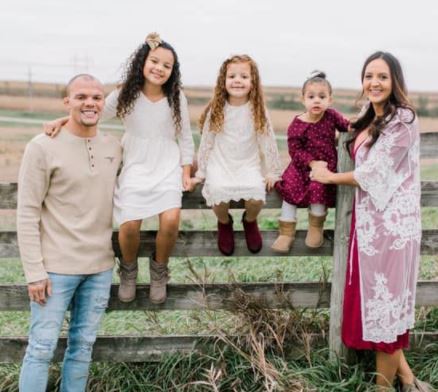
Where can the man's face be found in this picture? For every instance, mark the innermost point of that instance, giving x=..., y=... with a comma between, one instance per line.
x=85, y=101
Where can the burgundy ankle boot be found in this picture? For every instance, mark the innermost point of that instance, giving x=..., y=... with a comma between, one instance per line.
x=253, y=237
x=225, y=236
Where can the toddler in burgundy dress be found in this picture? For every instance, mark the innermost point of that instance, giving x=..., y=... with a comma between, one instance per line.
x=311, y=142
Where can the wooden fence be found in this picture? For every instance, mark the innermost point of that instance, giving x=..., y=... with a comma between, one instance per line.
x=13, y=297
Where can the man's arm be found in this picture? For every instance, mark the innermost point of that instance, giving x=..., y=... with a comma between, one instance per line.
x=33, y=182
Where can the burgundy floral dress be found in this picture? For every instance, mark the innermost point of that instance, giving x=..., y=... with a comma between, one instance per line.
x=311, y=142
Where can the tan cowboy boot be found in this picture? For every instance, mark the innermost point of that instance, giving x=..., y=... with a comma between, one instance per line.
x=128, y=279
x=418, y=386
x=286, y=236
x=314, y=237
x=159, y=274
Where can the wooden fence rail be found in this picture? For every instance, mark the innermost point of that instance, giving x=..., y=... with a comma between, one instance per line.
x=201, y=296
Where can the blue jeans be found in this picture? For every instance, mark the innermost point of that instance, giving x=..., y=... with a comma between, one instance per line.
x=88, y=296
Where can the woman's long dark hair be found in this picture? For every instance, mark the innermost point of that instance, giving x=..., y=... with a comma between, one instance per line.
x=397, y=99
x=133, y=81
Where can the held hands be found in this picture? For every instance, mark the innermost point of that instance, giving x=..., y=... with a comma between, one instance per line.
x=270, y=183
x=52, y=128
x=190, y=183
x=39, y=291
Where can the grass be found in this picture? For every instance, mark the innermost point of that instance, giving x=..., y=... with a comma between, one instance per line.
x=255, y=363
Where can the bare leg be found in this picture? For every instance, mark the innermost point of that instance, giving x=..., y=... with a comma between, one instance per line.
x=129, y=239
x=386, y=368
x=252, y=208
x=404, y=371
x=167, y=234
x=221, y=211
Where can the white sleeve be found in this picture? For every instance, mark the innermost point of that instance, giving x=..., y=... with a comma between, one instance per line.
x=185, y=137
x=381, y=174
x=269, y=153
x=110, y=109
x=205, y=147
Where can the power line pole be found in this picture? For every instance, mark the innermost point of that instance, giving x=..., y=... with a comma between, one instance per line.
x=30, y=87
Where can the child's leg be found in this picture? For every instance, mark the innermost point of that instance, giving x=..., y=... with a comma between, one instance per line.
x=318, y=209
x=221, y=212
x=286, y=228
x=129, y=240
x=252, y=209
x=317, y=215
x=164, y=244
x=167, y=234
x=225, y=233
x=288, y=212
x=253, y=237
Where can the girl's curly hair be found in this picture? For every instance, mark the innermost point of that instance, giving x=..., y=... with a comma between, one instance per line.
x=215, y=108
x=397, y=99
x=133, y=81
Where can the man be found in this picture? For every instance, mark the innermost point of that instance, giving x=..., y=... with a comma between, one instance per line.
x=64, y=225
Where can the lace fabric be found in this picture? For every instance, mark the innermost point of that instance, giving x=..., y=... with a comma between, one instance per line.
x=237, y=162
x=388, y=229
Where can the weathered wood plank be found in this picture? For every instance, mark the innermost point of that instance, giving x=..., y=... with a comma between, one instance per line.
x=223, y=296
x=196, y=244
x=203, y=244
x=152, y=348
x=195, y=201
x=429, y=145
x=200, y=296
x=344, y=206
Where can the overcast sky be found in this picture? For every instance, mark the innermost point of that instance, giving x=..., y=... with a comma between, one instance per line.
x=54, y=39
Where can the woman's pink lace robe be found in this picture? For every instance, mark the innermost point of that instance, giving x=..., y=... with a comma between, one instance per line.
x=388, y=228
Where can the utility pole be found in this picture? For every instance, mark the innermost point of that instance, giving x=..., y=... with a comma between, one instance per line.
x=30, y=87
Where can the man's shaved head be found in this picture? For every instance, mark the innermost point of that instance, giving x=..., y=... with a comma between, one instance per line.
x=83, y=76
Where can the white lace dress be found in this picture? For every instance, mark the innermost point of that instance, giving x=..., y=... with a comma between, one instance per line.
x=153, y=155
x=237, y=161
x=388, y=228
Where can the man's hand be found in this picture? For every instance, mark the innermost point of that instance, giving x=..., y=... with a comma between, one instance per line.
x=39, y=291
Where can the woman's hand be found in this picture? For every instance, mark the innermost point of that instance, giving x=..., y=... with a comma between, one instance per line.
x=52, y=128
x=321, y=174
x=314, y=164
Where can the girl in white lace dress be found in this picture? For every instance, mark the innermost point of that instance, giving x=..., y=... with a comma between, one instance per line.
x=379, y=295
x=238, y=156
x=158, y=151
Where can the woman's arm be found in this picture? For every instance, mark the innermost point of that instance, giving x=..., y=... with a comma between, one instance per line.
x=325, y=176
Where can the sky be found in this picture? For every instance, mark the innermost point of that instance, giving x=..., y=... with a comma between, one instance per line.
x=51, y=40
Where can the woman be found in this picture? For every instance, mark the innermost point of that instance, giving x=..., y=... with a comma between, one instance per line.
x=379, y=296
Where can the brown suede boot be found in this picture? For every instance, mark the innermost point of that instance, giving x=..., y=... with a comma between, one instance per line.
x=418, y=386
x=128, y=279
x=314, y=237
x=286, y=236
x=159, y=274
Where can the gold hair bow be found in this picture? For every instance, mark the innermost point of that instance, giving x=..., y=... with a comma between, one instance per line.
x=153, y=40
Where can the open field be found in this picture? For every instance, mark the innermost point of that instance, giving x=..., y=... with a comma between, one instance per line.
x=224, y=369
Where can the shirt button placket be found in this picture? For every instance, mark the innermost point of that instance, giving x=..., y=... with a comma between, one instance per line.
x=90, y=154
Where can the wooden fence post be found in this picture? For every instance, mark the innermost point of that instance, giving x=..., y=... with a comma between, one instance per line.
x=344, y=204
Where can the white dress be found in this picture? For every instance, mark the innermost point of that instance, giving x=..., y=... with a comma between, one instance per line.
x=151, y=178
x=237, y=161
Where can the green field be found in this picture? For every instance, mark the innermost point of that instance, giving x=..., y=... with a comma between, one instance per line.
x=251, y=365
